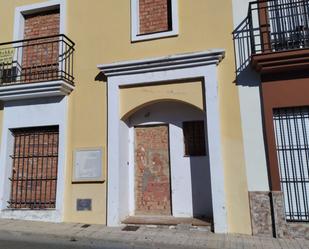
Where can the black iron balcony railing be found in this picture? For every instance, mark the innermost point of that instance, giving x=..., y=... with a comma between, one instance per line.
x=271, y=26
x=40, y=59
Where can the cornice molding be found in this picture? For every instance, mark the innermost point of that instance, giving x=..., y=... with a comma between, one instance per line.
x=172, y=62
x=35, y=90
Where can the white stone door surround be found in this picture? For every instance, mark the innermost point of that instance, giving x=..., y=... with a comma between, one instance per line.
x=202, y=65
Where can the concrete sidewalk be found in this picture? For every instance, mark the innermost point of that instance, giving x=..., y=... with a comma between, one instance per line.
x=172, y=237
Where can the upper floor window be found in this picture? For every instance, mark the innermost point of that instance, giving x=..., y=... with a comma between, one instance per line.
x=151, y=19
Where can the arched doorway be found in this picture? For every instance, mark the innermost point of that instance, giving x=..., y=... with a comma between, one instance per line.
x=169, y=165
x=120, y=138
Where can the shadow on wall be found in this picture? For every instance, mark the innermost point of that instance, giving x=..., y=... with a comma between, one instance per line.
x=201, y=188
x=35, y=101
x=100, y=77
x=248, y=77
x=244, y=48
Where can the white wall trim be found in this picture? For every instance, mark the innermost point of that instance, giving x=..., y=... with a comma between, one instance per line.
x=33, y=113
x=35, y=90
x=135, y=23
x=206, y=72
x=37, y=7
x=170, y=62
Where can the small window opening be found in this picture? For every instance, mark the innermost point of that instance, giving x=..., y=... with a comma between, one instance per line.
x=194, y=138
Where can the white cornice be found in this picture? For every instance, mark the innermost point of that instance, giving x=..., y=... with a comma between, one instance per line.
x=163, y=63
x=35, y=90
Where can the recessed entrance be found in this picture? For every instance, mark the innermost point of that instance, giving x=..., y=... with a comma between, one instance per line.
x=192, y=185
x=152, y=171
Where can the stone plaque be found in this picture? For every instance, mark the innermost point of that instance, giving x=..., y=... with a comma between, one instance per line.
x=88, y=165
x=83, y=204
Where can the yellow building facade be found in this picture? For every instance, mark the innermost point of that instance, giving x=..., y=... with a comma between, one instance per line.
x=123, y=79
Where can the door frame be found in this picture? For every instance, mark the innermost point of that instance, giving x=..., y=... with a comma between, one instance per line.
x=202, y=65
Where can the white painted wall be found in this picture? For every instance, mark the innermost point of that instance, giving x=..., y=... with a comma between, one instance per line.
x=124, y=185
x=249, y=95
x=190, y=176
x=32, y=113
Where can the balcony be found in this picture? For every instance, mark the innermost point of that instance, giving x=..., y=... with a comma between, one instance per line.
x=36, y=67
x=273, y=36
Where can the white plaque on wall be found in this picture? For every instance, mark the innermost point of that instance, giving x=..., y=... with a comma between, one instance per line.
x=88, y=165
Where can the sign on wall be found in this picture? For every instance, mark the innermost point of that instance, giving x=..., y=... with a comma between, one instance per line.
x=84, y=204
x=6, y=55
x=88, y=165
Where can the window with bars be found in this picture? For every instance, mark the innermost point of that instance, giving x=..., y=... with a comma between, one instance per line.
x=35, y=163
x=292, y=141
x=289, y=23
x=194, y=138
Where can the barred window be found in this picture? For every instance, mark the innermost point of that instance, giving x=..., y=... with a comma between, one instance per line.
x=35, y=163
x=194, y=138
x=292, y=142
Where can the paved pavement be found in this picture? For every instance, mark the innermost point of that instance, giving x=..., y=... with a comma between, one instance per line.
x=19, y=241
x=144, y=237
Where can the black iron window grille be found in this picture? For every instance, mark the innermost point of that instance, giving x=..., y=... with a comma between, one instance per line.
x=292, y=141
x=194, y=138
x=37, y=60
x=35, y=164
x=270, y=26
x=288, y=23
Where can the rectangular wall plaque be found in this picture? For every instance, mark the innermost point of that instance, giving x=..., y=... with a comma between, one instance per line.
x=83, y=204
x=88, y=166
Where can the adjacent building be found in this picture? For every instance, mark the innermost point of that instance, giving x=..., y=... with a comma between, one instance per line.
x=271, y=41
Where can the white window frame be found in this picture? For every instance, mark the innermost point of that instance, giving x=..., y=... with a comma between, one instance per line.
x=135, y=35
x=19, y=19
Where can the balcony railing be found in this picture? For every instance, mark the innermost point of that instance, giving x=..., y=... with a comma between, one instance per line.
x=272, y=26
x=37, y=60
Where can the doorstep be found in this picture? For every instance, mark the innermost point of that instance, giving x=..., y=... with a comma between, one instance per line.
x=166, y=221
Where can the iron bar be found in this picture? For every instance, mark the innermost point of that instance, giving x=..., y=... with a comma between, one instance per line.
x=36, y=60
x=271, y=26
x=35, y=155
x=291, y=130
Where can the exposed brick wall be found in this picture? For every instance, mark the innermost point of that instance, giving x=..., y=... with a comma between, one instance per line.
x=42, y=24
x=41, y=61
x=35, y=162
x=154, y=16
x=152, y=173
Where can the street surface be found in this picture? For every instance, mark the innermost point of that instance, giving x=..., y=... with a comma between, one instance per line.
x=21, y=234
x=27, y=241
